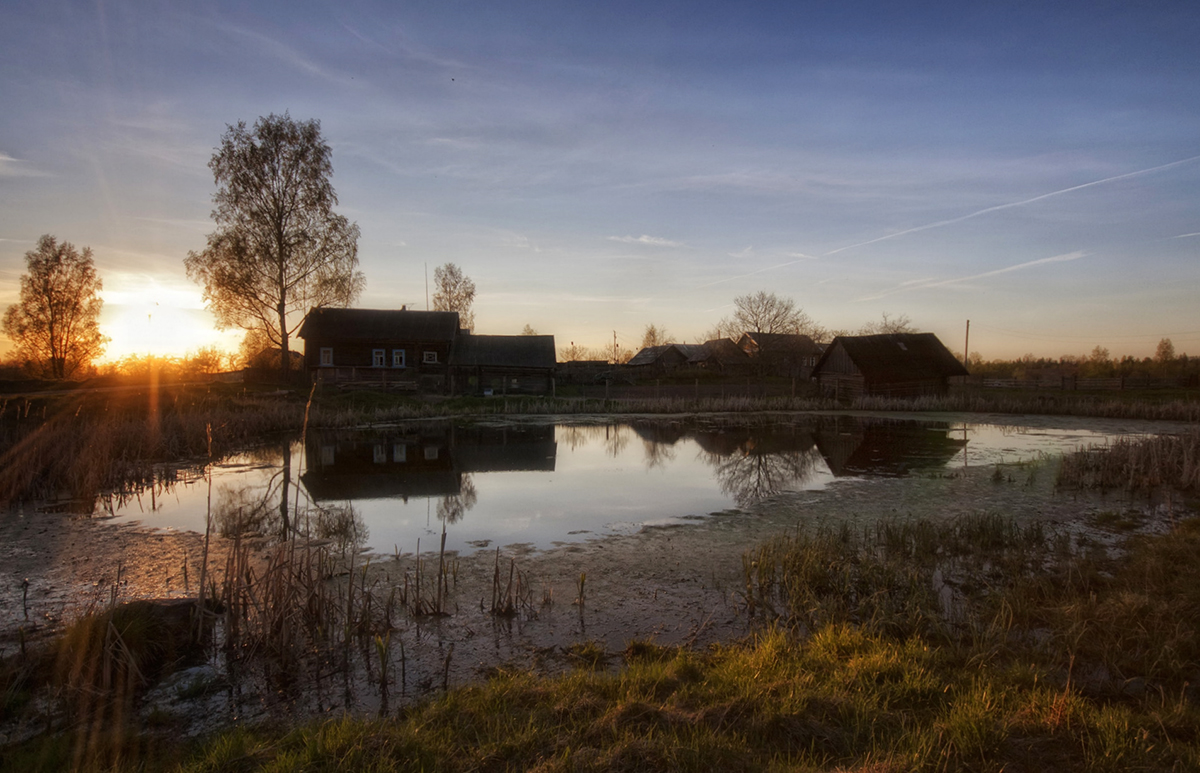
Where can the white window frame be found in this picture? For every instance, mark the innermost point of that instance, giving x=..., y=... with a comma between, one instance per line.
x=378, y=358
x=326, y=356
x=398, y=358
x=429, y=358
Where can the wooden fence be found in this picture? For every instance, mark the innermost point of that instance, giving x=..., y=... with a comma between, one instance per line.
x=1075, y=384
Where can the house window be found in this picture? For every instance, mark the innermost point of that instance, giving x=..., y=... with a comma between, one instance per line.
x=379, y=455
x=327, y=455
x=431, y=453
x=429, y=357
x=397, y=358
x=400, y=453
x=326, y=356
x=377, y=358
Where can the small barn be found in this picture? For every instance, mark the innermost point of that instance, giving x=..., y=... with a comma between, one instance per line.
x=657, y=359
x=482, y=364
x=895, y=365
x=721, y=355
x=780, y=354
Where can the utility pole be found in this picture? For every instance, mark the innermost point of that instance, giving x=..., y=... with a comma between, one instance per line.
x=426, y=285
x=967, y=347
x=614, y=347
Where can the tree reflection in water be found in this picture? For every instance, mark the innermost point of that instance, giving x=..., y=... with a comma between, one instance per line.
x=451, y=509
x=750, y=475
x=282, y=508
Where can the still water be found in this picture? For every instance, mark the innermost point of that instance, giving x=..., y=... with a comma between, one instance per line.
x=543, y=484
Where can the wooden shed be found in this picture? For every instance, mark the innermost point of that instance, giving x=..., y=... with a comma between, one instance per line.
x=520, y=364
x=895, y=364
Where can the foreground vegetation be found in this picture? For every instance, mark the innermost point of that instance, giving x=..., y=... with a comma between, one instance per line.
x=1048, y=652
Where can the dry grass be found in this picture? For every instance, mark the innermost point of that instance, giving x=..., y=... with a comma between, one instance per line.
x=1136, y=464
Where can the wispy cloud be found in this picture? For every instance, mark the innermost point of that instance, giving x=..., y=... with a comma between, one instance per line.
x=653, y=241
x=291, y=56
x=800, y=257
x=1011, y=204
x=14, y=167
x=1187, y=236
x=925, y=284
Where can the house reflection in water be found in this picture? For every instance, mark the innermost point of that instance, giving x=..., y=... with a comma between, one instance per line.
x=857, y=446
x=424, y=461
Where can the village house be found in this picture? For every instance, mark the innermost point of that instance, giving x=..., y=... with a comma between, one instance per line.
x=781, y=354
x=422, y=350
x=895, y=364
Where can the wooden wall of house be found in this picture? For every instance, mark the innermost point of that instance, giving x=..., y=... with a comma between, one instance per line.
x=838, y=361
x=501, y=380
x=359, y=354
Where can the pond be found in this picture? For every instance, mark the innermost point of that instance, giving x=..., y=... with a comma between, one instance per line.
x=542, y=484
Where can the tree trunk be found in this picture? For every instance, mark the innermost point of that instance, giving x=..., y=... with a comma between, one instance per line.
x=285, y=355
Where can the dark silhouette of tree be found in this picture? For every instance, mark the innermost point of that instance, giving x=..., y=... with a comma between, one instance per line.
x=55, y=325
x=655, y=336
x=455, y=292
x=1165, y=352
x=888, y=324
x=528, y=330
x=764, y=312
x=279, y=250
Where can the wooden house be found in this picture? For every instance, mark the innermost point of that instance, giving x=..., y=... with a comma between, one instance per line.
x=721, y=355
x=483, y=364
x=895, y=364
x=410, y=348
x=422, y=350
x=658, y=359
x=780, y=354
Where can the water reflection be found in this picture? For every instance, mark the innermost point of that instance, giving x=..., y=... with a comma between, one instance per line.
x=540, y=485
x=434, y=461
x=855, y=446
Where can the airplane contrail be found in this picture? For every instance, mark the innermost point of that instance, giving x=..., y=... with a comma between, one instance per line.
x=1010, y=205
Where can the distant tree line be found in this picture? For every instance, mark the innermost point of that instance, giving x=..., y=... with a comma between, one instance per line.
x=1165, y=363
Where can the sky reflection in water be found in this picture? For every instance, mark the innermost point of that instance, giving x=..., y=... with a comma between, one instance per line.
x=543, y=484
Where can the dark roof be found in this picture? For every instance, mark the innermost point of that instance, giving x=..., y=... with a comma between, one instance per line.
x=504, y=351
x=722, y=350
x=378, y=324
x=652, y=354
x=897, y=357
x=782, y=342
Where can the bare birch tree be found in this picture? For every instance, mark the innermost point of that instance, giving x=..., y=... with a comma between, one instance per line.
x=455, y=292
x=279, y=250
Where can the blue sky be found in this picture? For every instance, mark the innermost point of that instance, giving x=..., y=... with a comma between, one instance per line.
x=1034, y=168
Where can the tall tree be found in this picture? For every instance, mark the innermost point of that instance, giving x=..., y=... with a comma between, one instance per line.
x=764, y=312
x=279, y=250
x=654, y=336
x=1165, y=351
x=56, y=323
x=455, y=292
x=888, y=324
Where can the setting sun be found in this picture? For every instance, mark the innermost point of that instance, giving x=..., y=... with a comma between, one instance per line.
x=142, y=316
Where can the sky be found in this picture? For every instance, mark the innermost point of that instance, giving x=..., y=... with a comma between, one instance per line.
x=597, y=167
